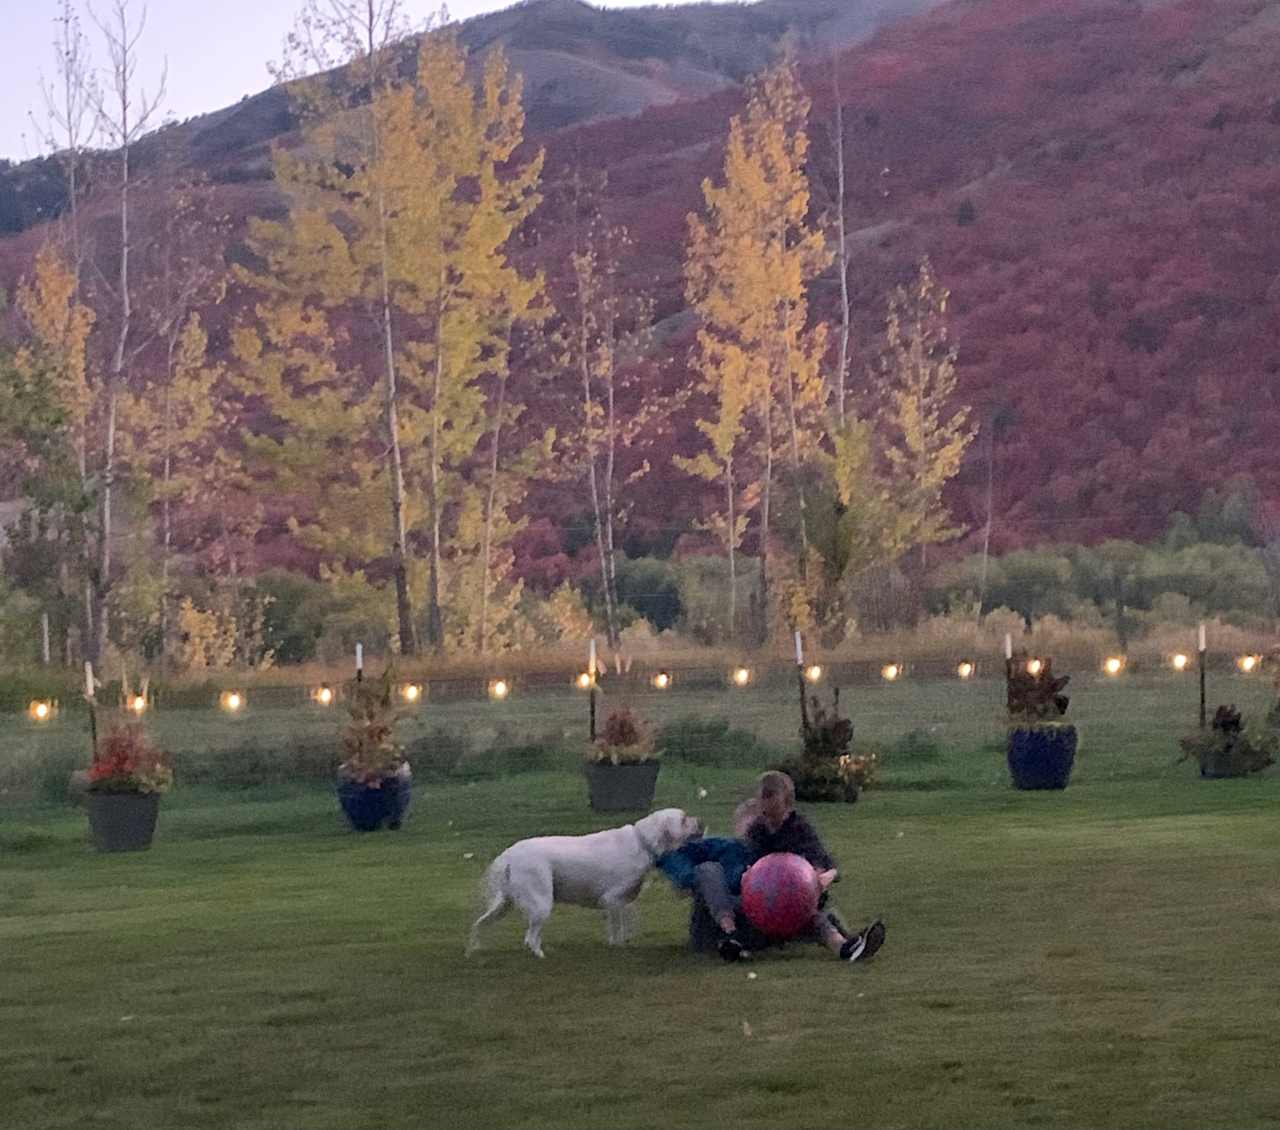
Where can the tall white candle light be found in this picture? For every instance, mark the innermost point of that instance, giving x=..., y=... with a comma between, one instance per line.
x=1202, y=637
x=1008, y=645
x=359, y=657
x=799, y=651
x=591, y=657
x=88, y=679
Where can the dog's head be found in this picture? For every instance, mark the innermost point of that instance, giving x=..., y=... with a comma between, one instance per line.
x=669, y=829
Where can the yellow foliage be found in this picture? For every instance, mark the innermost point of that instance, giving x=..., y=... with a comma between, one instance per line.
x=206, y=638
x=60, y=326
x=929, y=433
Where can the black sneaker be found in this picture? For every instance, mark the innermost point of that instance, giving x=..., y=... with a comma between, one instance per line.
x=731, y=949
x=863, y=947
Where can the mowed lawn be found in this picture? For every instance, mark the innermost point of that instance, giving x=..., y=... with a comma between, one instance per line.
x=1105, y=956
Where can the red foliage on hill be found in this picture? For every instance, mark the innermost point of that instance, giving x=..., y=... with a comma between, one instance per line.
x=1096, y=181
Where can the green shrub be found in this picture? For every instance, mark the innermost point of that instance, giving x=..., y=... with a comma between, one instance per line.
x=251, y=765
x=438, y=753
x=18, y=689
x=507, y=756
x=916, y=747
x=1229, y=748
x=712, y=741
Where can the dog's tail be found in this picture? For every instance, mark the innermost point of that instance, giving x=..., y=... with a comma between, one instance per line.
x=494, y=896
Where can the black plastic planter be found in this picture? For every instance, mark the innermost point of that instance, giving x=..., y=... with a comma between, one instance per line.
x=123, y=821
x=621, y=788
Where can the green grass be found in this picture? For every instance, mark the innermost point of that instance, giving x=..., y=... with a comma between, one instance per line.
x=1100, y=957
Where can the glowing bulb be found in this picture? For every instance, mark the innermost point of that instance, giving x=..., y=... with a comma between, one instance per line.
x=584, y=681
x=965, y=670
x=1034, y=666
x=1179, y=662
x=40, y=711
x=813, y=673
x=499, y=688
x=1247, y=663
x=411, y=692
x=742, y=676
x=662, y=680
x=1114, y=665
x=890, y=671
x=137, y=703
x=232, y=700
x=324, y=696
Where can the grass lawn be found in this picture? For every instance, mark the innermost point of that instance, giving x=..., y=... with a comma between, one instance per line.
x=1103, y=957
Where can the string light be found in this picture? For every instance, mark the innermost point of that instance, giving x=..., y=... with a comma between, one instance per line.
x=40, y=711
x=813, y=672
x=890, y=671
x=137, y=703
x=965, y=670
x=411, y=692
x=1179, y=662
x=1247, y=663
x=742, y=676
x=499, y=689
x=323, y=695
x=584, y=681
x=1114, y=665
x=232, y=701
x=1034, y=666
x=662, y=681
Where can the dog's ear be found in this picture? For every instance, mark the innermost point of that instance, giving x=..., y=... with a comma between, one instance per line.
x=673, y=829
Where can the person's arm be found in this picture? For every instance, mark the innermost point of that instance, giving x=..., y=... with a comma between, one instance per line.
x=680, y=866
x=755, y=840
x=811, y=847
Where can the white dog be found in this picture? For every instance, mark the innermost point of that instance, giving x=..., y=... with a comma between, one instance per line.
x=605, y=869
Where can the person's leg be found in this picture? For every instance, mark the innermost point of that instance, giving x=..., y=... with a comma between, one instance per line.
x=714, y=891
x=827, y=929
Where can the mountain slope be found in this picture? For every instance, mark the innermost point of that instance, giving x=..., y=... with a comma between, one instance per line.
x=1097, y=182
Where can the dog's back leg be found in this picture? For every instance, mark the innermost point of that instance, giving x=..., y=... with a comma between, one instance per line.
x=533, y=891
x=497, y=903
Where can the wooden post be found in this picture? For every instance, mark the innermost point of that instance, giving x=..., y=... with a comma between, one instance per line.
x=804, y=707
x=590, y=695
x=93, y=713
x=1200, y=653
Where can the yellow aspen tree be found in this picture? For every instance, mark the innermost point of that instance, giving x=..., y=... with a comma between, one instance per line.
x=58, y=326
x=334, y=250
x=926, y=431
x=125, y=113
x=605, y=333
x=452, y=244
x=748, y=268
x=312, y=452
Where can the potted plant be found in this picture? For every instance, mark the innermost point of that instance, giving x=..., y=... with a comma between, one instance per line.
x=622, y=765
x=375, y=784
x=1042, y=743
x=126, y=780
x=1229, y=748
x=828, y=769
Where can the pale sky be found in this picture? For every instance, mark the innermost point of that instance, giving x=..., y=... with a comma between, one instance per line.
x=217, y=51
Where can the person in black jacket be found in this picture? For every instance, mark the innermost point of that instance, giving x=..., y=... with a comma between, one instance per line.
x=779, y=827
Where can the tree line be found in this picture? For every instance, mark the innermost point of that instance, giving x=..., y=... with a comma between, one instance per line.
x=386, y=334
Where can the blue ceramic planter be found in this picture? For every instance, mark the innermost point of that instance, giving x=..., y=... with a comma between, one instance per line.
x=1041, y=757
x=369, y=807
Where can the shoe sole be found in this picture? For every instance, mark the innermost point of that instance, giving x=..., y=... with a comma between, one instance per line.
x=872, y=940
